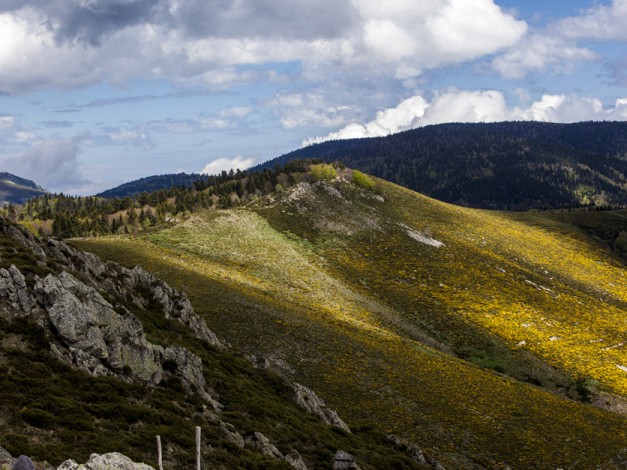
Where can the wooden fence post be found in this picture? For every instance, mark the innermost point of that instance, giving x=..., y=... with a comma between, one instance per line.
x=197, y=447
x=159, y=453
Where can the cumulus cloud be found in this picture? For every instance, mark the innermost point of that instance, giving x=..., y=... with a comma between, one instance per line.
x=556, y=49
x=477, y=106
x=193, y=42
x=602, y=22
x=539, y=53
x=312, y=108
x=52, y=164
x=225, y=164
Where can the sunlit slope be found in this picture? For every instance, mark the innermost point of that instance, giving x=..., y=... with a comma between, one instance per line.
x=349, y=290
x=540, y=290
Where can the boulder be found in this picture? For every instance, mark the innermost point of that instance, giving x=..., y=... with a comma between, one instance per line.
x=111, y=461
x=344, y=461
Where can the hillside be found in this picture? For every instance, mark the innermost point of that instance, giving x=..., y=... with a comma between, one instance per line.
x=16, y=190
x=506, y=165
x=489, y=338
x=150, y=184
x=97, y=358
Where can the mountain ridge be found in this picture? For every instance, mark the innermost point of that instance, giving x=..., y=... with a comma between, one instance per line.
x=17, y=190
x=516, y=165
x=505, y=165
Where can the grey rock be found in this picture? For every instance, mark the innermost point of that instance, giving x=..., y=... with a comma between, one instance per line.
x=296, y=461
x=25, y=238
x=6, y=459
x=314, y=404
x=188, y=366
x=13, y=288
x=111, y=461
x=175, y=304
x=97, y=339
x=23, y=463
x=409, y=448
x=413, y=451
x=119, y=281
x=434, y=463
x=262, y=444
x=344, y=461
x=231, y=435
x=73, y=258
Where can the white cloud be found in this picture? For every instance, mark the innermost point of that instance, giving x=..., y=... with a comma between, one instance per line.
x=555, y=48
x=225, y=164
x=603, y=22
x=312, y=108
x=52, y=164
x=477, y=106
x=539, y=53
x=194, y=42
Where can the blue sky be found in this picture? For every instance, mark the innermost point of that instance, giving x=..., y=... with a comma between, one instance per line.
x=94, y=93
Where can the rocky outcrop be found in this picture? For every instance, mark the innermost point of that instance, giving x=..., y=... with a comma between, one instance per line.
x=262, y=444
x=296, y=461
x=94, y=337
x=13, y=288
x=90, y=333
x=111, y=461
x=175, y=304
x=344, y=461
x=305, y=397
x=135, y=285
x=413, y=451
x=231, y=435
x=315, y=405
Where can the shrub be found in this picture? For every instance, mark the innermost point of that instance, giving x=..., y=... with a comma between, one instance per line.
x=323, y=172
x=362, y=180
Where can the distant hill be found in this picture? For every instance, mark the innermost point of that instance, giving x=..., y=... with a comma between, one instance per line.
x=152, y=183
x=507, y=165
x=16, y=190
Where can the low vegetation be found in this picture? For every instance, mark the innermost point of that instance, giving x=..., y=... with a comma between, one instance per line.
x=479, y=335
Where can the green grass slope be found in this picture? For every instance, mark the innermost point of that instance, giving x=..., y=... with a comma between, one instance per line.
x=463, y=330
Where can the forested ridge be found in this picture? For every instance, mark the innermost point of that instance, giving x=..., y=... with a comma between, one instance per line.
x=66, y=216
x=506, y=165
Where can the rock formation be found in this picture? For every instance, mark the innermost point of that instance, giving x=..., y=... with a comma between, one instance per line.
x=111, y=461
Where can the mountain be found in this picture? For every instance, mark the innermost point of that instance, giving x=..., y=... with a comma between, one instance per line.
x=489, y=339
x=506, y=165
x=152, y=183
x=16, y=190
x=95, y=358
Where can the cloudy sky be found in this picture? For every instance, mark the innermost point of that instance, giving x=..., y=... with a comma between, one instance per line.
x=94, y=93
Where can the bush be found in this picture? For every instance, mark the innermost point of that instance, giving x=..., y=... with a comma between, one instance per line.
x=362, y=180
x=323, y=172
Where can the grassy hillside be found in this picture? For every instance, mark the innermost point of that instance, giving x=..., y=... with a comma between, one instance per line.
x=463, y=330
x=52, y=412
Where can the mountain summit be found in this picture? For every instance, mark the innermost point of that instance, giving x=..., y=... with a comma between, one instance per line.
x=16, y=190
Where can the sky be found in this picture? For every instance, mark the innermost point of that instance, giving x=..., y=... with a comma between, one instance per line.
x=95, y=93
